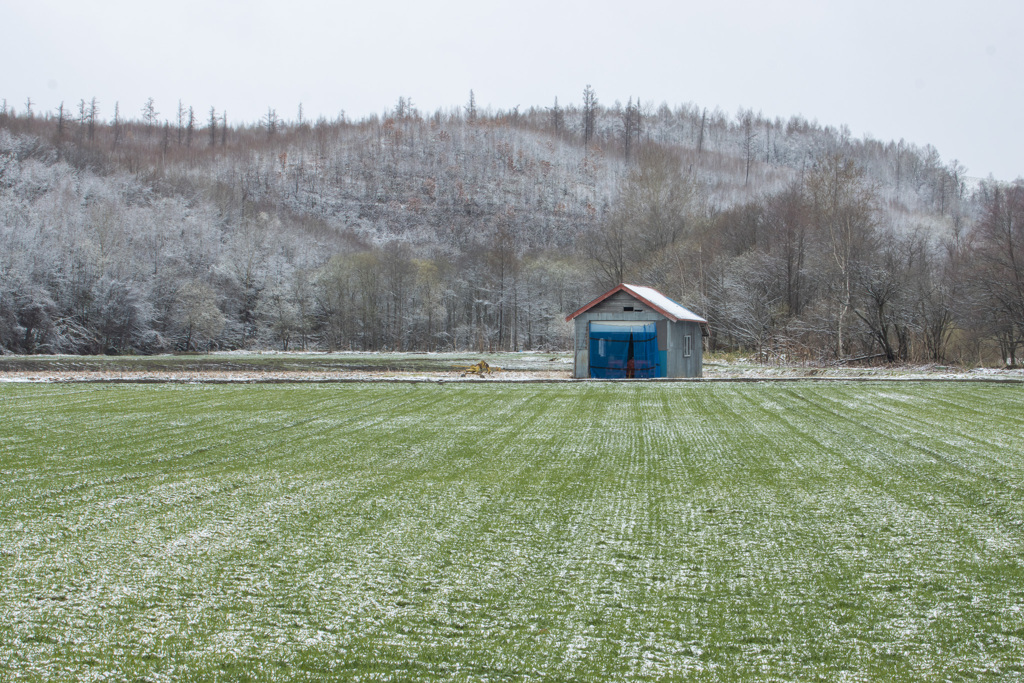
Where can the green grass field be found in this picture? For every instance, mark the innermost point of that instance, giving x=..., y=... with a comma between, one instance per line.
x=706, y=532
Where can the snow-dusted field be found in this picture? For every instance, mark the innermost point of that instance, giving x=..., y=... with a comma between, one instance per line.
x=268, y=366
x=271, y=366
x=569, y=531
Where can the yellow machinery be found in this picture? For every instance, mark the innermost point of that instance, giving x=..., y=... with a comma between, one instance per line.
x=481, y=368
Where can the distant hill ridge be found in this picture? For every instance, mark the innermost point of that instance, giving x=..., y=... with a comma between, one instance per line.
x=461, y=229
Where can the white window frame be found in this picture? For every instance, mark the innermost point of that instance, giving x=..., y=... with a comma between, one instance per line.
x=687, y=345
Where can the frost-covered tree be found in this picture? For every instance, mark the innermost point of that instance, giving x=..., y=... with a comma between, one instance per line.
x=196, y=316
x=150, y=115
x=589, y=114
x=1000, y=258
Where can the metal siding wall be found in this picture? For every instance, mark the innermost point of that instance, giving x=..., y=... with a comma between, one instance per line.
x=686, y=331
x=691, y=362
x=695, y=363
x=581, y=370
x=581, y=358
x=581, y=334
x=615, y=302
x=698, y=352
x=673, y=353
x=687, y=360
x=680, y=365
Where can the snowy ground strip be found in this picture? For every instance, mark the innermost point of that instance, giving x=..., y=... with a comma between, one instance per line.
x=429, y=532
x=248, y=367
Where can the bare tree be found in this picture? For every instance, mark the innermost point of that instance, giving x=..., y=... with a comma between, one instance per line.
x=700, y=134
x=651, y=215
x=557, y=118
x=1000, y=237
x=82, y=121
x=748, y=144
x=270, y=121
x=180, y=122
x=213, y=127
x=61, y=122
x=197, y=315
x=786, y=222
x=116, y=124
x=844, y=206
x=630, y=126
x=940, y=294
x=150, y=114
x=884, y=287
x=589, y=114
x=747, y=304
x=405, y=109
x=93, y=119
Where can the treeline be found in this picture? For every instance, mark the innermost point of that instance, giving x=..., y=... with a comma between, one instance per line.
x=478, y=229
x=819, y=271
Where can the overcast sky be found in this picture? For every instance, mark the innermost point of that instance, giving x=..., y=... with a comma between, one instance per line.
x=930, y=71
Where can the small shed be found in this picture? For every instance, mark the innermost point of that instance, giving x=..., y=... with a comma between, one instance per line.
x=637, y=332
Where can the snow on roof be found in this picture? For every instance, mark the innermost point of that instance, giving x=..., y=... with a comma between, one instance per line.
x=656, y=300
x=659, y=300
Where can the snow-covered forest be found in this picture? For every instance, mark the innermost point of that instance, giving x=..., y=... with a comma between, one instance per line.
x=469, y=228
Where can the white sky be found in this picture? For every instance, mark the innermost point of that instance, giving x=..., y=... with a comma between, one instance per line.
x=930, y=71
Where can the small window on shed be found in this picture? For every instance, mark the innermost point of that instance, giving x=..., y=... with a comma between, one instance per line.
x=687, y=346
x=627, y=308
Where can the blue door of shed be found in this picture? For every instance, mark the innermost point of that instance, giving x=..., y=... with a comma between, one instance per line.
x=624, y=350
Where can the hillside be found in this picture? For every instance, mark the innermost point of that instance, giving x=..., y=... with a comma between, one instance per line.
x=480, y=230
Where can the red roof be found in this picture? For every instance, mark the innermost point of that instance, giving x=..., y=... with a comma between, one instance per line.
x=654, y=299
